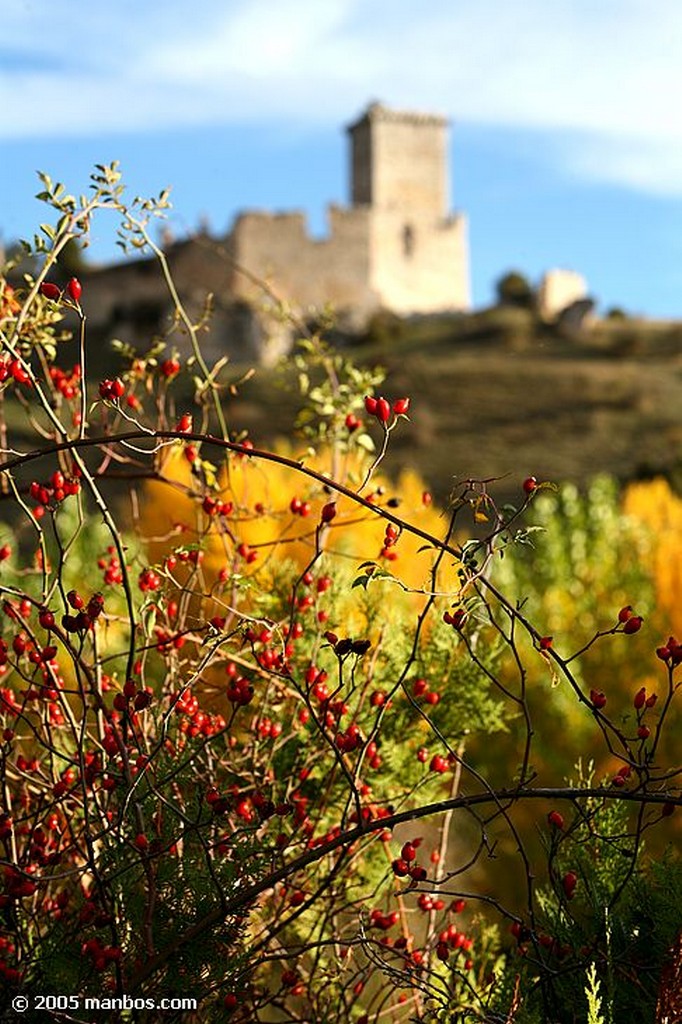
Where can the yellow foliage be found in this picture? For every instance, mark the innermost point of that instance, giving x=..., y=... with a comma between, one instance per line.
x=261, y=522
x=654, y=504
x=8, y=301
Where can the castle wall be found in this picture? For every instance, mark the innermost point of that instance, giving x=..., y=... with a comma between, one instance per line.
x=559, y=289
x=420, y=265
x=395, y=248
x=373, y=258
x=361, y=163
x=303, y=271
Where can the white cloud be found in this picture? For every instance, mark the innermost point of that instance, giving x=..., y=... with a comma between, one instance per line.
x=601, y=77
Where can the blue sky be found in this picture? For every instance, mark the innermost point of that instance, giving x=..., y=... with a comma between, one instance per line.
x=567, y=122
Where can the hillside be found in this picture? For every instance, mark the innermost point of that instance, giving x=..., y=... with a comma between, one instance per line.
x=494, y=396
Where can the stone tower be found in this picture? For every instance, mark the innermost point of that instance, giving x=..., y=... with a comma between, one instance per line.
x=418, y=251
x=399, y=161
x=395, y=247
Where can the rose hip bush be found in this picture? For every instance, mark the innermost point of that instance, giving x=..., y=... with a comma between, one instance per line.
x=249, y=699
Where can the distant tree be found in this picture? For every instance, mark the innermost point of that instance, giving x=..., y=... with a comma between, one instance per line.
x=384, y=328
x=71, y=261
x=16, y=263
x=514, y=289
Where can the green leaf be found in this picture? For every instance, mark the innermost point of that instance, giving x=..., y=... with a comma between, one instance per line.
x=365, y=442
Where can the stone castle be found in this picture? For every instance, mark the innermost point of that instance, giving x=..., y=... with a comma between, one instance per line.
x=395, y=247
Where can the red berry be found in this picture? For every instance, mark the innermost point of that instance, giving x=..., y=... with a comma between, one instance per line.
x=46, y=618
x=328, y=512
x=625, y=613
x=371, y=405
x=18, y=372
x=170, y=367
x=109, y=390
x=142, y=700
x=530, y=484
x=352, y=422
x=556, y=819
x=633, y=624
x=50, y=291
x=640, y=698
x=75, y=290
x=400, y=406
x=545, y=643
x=569, y=882
x=5, y=552
x=19, y=644
x=597, y=698
x=141, y=841
x=383, y=410
x=644, y=732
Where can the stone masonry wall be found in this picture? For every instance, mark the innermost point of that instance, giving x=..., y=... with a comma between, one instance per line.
x=395, y=248
x=420, y=264
x=558, y=290
x=408, y=161
x=304, y=271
